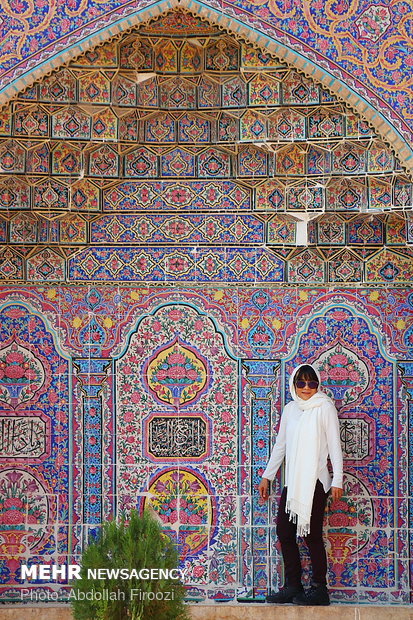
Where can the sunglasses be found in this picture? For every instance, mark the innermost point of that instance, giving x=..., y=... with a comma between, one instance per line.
x=313, y=385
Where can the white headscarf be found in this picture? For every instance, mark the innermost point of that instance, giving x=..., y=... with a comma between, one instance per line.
x=304, y=455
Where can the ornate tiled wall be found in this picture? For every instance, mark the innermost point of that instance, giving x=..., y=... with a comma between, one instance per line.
x=183, y=220
x=115, y=396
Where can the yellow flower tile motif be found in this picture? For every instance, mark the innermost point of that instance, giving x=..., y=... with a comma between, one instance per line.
x=390, y=266
x=105, y=126
x=77, y=322
x=73, y=229
x=264, y=90
x=256, y=59
x=166, y=57
x=104, y=56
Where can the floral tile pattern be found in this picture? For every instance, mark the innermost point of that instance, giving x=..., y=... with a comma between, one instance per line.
x=200, y=382
x=183, y=219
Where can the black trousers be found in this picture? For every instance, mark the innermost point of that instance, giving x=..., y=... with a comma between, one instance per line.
x=287, y=535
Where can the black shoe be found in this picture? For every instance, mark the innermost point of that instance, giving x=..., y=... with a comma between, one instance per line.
x=285, y=595
x=316, y=595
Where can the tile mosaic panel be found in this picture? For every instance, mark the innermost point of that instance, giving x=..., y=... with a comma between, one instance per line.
x=46, y=265
x=160, y=128
x=123, y=91
x=349, y=159
x=192, y=229
x=346, y=195
x=11, y=265
x=290, y=160
x=167, y=253
x=140, y=163
x=94, y=88
x=297, y=90
x=35, y=466
x=5, y=122
x=14, y=193
x=396, y=230
x=282, y=230
x=23, y=228
x=178, y=163
x=194, y=128
x=105, y=125
x=331, y=230
x=306, y=266
x=346, y=266
x=390, y=266
x=31, y=121
x=175, y=195
x=166, y=57
x=287, y=124
x=213, y=264
x=12, y=157
x=191, y=58
x=184, y=347
x=71, y=123
x=318, y=39
x=67, y=159
x=263, y=91
x=222, y=55
x=38, y=159
x=104, y=162
x=325, y=125
x=362, y=231
x=103, y=57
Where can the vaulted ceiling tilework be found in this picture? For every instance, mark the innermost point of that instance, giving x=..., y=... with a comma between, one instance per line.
x=178, y=153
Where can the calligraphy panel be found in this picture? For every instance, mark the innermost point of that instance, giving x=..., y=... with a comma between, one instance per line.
x=357, y=436
x=170, y=437
x=25, y=437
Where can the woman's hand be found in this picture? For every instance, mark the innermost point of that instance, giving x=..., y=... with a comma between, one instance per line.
x=263, y=488
x=336, y=493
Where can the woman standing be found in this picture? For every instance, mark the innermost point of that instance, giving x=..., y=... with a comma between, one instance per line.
x=308, y=434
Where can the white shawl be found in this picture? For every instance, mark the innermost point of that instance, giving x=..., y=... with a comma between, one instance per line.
x=304, y=456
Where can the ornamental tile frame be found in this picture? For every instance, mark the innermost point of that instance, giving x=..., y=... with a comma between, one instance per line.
x=175, y=239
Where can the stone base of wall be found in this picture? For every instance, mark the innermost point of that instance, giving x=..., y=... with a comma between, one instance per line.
x=234, y=612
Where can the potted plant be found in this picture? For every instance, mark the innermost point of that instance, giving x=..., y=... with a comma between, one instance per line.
x=137, y=576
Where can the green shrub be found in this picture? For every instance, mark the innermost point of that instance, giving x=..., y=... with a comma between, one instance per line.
x=137, y=544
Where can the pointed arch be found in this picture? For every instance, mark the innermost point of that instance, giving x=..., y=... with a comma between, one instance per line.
x=241, y=28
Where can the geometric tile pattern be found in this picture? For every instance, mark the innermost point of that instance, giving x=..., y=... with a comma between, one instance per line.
x=352, y=49
x=35, y=437
x=94, y=159
x=181, y=229
x=176, y=195
x=196, y=264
